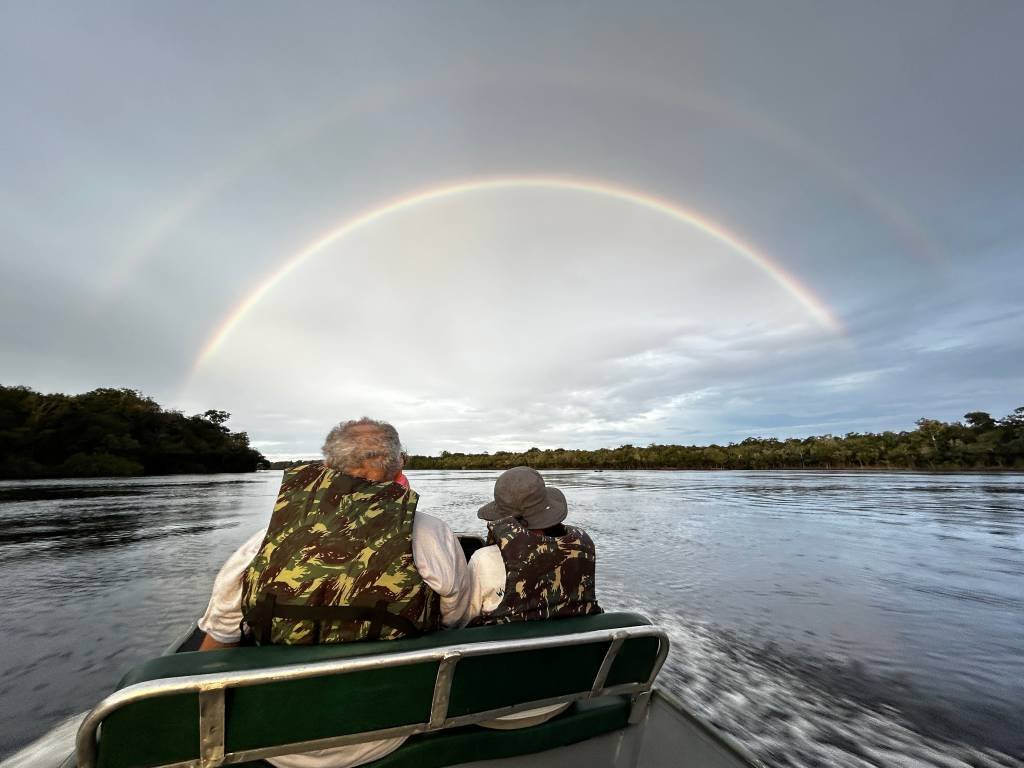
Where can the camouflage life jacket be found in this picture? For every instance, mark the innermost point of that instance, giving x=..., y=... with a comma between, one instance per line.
x=336, y=564
x=546, y=577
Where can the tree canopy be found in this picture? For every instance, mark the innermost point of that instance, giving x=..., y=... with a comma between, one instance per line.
x=979, y=442
x=113, y=432
x=120, y=432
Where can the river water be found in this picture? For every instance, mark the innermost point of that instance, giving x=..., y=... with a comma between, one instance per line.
x=835, y=618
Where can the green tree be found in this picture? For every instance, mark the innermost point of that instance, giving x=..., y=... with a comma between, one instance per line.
x=979, y=420
x=113, y=432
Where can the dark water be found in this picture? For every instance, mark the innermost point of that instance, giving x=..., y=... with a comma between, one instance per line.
x=821, y=618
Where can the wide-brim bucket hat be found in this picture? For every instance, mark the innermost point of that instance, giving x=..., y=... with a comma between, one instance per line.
x=521, y=492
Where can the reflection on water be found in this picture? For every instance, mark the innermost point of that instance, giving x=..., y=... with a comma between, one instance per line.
x=809, y=611
x=102, y=515
x=100, y=574
x=873, y=587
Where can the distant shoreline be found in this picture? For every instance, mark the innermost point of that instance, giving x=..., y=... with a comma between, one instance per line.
x=980, y=443
x=122, y=433
x=814, y=470
x=47, y=478
x=863, y=470
x=277, y=466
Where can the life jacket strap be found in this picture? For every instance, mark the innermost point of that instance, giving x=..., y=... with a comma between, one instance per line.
x=267, y=609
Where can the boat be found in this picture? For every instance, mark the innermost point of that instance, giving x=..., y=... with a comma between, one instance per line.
x=240, y=706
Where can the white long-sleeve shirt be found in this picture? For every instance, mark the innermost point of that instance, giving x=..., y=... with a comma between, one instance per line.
x=440, y=562
x=486, y=581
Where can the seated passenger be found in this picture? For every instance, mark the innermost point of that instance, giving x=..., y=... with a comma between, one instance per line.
x=534, y=568
x=346, y=557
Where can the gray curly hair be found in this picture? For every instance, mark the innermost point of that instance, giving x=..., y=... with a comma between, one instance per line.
x=353, y=444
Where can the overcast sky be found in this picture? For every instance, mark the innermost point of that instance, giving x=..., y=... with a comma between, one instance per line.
x=700, y=221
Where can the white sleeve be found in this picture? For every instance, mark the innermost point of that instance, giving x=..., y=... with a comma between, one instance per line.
x=487, y=581
x=223, y=615
x=439, y=559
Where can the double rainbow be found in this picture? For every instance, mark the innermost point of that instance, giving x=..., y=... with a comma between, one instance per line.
x=811, y=303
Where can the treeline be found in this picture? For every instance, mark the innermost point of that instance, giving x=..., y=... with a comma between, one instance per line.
x=113, y=432
x=978, y=442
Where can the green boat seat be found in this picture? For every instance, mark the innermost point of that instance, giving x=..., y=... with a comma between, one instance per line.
x=273, y=713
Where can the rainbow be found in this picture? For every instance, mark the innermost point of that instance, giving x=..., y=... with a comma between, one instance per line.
x=814, y=306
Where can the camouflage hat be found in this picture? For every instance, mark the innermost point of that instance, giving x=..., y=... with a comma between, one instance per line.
x=520, y=492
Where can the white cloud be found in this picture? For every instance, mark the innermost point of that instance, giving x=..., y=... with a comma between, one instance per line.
x=507, y=320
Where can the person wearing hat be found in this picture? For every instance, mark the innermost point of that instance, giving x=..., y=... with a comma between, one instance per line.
x=535, y=567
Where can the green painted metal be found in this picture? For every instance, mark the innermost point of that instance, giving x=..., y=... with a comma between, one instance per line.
x=163, y=730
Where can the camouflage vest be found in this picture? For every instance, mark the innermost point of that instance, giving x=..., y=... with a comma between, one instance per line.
x=336, y=564
x=546, y=577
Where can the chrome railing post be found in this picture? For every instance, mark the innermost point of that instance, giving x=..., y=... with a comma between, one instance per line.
x=443, y=690
x=638, y=710
x=618, y=638
x=211, y=727
x=641, y=700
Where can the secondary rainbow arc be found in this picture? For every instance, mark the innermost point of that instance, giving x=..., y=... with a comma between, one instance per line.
x=811, y=303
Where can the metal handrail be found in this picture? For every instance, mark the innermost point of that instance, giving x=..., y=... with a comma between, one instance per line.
x=211, y=689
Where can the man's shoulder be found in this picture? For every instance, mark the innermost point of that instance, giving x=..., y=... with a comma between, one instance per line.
x=429, y=526
x=425, y=518
x=579, y=532
x=438, y=557
x=486, y=557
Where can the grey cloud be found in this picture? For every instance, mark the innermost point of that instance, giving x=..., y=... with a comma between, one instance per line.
x=159, y=162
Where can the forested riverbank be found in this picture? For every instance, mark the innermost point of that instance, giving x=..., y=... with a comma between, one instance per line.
x=120, y=432
x=978, y=442
x=113, y=433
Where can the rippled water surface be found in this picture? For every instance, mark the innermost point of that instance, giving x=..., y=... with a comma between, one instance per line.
x=821, y=618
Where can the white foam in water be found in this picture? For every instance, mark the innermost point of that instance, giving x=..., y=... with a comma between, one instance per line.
x=787, y=720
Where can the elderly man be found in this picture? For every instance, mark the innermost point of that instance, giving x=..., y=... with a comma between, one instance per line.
x=345, y=557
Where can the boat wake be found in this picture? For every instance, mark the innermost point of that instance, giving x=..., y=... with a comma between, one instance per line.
x=788, y=717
